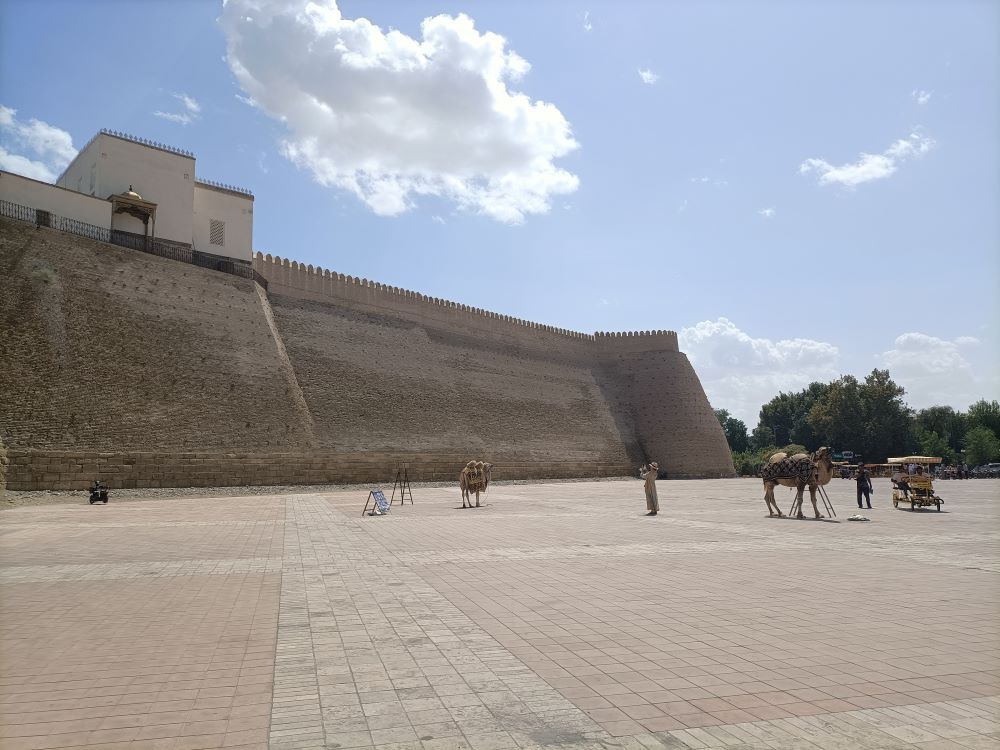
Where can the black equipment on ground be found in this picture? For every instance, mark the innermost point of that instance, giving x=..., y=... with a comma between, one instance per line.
x=98, y=492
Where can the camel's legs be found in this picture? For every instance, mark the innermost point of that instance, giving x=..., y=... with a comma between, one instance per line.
x=797, y=504
x=477, y=499
x=772, y=504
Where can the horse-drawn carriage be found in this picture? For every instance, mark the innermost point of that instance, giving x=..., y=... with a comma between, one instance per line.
x=913, y=483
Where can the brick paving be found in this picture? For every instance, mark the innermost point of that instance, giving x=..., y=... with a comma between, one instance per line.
x=558, y=616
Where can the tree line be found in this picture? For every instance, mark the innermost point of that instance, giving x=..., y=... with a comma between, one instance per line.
x=868, y=417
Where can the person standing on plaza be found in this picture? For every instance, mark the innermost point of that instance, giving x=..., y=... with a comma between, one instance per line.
x=649, y=473
x=864, y=485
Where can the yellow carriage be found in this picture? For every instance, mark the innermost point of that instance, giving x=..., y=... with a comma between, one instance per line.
x=913, y=483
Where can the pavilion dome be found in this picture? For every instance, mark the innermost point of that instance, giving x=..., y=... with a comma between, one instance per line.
x=132, y=194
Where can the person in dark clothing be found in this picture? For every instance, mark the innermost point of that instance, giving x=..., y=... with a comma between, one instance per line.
x=864, y=485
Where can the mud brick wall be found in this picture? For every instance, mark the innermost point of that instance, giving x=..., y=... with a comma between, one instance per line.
x=74, y=470
x=149, y=372
x=491, y=381
x=379, y=383
x=109, y=349
x=673, y=419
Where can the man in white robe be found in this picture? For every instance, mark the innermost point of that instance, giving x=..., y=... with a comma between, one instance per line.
x=649, y=473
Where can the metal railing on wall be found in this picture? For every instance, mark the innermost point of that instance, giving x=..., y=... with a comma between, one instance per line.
x=131, y=240
x=222, y=263
x=42, y=218
x=151, y=245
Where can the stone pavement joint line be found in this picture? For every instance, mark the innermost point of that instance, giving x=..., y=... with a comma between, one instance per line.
x=556, y=617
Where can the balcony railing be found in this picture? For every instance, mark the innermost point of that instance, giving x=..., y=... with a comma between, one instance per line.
x=153, y=246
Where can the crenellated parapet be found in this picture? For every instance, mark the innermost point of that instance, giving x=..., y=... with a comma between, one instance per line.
x=291, y=276
x=636, y=341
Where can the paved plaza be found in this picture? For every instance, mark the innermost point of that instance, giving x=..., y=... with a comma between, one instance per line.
x=558, y=616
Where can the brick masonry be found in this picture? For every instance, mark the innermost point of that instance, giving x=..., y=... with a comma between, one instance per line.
x=148, y=372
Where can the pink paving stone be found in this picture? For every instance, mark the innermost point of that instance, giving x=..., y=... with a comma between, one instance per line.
x=710, y=615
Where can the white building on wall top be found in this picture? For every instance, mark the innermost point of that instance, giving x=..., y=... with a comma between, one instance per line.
x=141, y=191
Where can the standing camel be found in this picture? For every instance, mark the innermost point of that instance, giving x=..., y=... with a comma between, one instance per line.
x=475, y=477
x=798, y=471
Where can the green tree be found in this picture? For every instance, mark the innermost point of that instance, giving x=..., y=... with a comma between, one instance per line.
x=981, y=446
x=801, y=431
x=762, y=437
x=986, y=414
x=838, y=417
x=778, y=415
x=943, y=420
x=787, y=415
x=867, y=417
x=735, y=429
x=930, y=443
x=748, y=462
x=886, y=417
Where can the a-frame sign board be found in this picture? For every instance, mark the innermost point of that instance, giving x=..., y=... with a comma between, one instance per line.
x=402, y=481
x=380, y=507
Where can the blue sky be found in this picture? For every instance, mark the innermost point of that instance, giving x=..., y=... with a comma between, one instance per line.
x=801, y=190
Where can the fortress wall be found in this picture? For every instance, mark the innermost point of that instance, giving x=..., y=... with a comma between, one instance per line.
x=383, y=383
x=75, y=470
x=149, y=372
x=108, y=349
x=292, y=279
x=641, y=380
x=673, y=419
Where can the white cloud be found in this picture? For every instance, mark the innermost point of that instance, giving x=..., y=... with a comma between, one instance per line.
x=648, y=77
x=438, y=219
x=46, y=149
x=704, y=180
x=683, y=207
x=22, y=165
x=587, y=25
x=189, y=103
x=936, y=371
x=741, y=373
x=767, y=213
x=192, y=111
x=181, y=118
x=869, y=167
x=391, y=117
x=920, y=96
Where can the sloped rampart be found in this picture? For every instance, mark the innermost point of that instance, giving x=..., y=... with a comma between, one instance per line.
x=148, y=372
